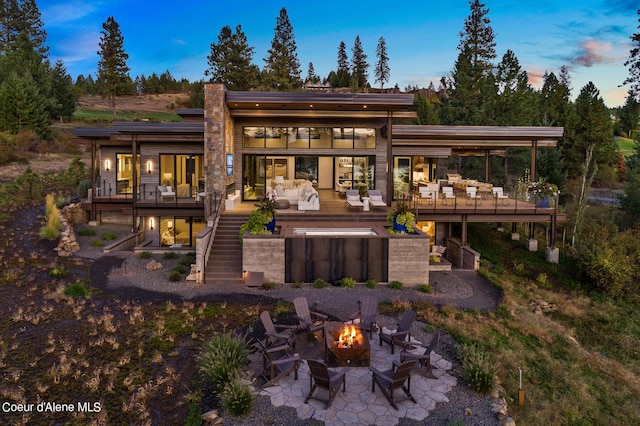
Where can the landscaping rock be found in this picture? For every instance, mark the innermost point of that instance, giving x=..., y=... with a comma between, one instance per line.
x=153, y=265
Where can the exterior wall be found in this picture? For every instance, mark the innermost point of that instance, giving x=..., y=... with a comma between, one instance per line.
x=218, y=139
x=409, y=260
x=115, y=217
x=264, y=254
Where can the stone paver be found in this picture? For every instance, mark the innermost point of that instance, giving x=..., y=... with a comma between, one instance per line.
x=358, y=405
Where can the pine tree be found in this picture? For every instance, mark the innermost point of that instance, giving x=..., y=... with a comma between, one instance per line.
x=312, y=77
x=22, y=16
x=230, y=61
x=113, y=72
x=516, y=101
x=22, y=106
x=478, y=37
x=634, y=64
x=359, y=65
x=382, y=71
x=343, y=74
x=630, y=115
x=282, y=69
x=62, y=91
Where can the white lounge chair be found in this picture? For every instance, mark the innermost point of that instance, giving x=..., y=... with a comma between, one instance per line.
x=353, y=198
x=498, y=193
x=447, y=194
x=375, y=198
x=472, y=194
x=166, y=191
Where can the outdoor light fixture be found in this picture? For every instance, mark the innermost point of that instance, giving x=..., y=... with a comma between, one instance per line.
x=149, y=166
x=107, y=165
x=151, y=223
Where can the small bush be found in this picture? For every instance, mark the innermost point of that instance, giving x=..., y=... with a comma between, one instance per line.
x=479, y=370
x=268, y=285
x=97, y=243
x=87, y=233
x=347, y=282
x=58, y=272
x=221, y=359
x=169, y=255
x=371, y=283
x=425, y=288
x=144, y=255
x=396, y=285
x=435, y=259
x=519, y=268
x=188, y=259
x=320, y=283
x=237, y=398
x=297, y=284
x=76, y=289
x=83, y=188
x=175, y=275
x=543, y=280
x=180, y=268
x=108, y=236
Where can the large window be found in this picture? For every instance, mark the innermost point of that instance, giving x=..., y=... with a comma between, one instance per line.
x=401, y=176
x=124, y=173
x=180, y=231
x=309, y=137
x=184, y=172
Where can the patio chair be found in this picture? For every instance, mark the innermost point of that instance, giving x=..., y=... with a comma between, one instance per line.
x=498, y=193
x=437, y=251
x=321, y=377
x=166, y=192
x=308, y=321
x=447, y=194
x=353, y=198
x=472, y=194
x=388, y=381
x=367, y=314
x=375, y=198
x=423, y=360
x=402, y=333
x=277, y=362
x=273, y=337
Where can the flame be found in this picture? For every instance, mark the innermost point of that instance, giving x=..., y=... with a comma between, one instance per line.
x=349, y=337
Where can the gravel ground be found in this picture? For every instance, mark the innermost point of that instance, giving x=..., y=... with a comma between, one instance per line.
x=126, y=275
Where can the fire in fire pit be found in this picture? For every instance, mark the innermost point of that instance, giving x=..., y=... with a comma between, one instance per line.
x=346, y=346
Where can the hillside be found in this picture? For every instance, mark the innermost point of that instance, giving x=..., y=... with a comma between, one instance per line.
x=142, y=103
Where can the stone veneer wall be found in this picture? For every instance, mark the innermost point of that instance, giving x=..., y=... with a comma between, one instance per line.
x=218, y=139
x=409, y=260
x=264, y=254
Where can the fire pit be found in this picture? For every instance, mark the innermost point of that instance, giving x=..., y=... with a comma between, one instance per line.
x=347, y=346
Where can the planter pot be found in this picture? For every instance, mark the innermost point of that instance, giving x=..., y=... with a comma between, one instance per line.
x=398, y=227
x=271, y=226
x=544, y=202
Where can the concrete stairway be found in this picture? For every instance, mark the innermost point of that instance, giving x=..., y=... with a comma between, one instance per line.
x=225, y=260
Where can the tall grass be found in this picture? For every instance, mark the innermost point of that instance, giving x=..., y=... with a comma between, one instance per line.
x=51, y=228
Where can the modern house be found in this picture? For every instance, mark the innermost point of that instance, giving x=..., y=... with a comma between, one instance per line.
x=172, y=181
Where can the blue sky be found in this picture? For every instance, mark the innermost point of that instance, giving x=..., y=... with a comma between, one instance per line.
x=592, y=38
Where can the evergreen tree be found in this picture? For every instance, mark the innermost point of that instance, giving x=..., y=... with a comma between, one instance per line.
x=382, y=71
x=196, y=96
x=282, y=69
x=425, y=110
x=359, y=65
x=593, y=129
x=312, y=77
x=85, y=85
x=230, y=61
x=634, y=64
x=343, y=74
x=22, y=16
x=479, y=38
x=113, y=72
x=62, y=91
x=516, y=101
x=630, y=115
x=22, y=106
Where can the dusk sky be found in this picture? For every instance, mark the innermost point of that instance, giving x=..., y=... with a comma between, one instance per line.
x=591, y=37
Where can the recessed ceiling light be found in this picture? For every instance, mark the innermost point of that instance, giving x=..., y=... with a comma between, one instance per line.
x=257, y=105
x=365, y=107
x=311, y=106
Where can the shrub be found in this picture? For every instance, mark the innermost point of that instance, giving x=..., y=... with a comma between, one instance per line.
x=108, y=236
x=175, y=275
x=396, y=285
x=144, y=255
x=347, y=282
x=542, y=280
x=297, y=284
x=180, y=269
x=268, y=285
x=76, y=289
x=87, y=233
x=58, y=272
x=97, y=243
x=51, y=229
x=221, y=359
x=435, y=259
x=320, y=283
x=371, y=283
x=425, y=288
x=519, y=268
x=237, y=398
x=479, y=370
x=188, y=259
x=169, y=255
x=83, y=188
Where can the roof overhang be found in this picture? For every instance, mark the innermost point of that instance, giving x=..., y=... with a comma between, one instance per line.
x=319, y=105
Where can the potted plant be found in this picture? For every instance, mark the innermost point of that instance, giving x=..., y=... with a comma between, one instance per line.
x=401, y=218
x=262, y=221
x=544, y=193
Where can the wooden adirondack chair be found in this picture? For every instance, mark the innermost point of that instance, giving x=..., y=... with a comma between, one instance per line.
x=388, y=381
x=273, y=337
x=277, y=362
x=402, y=333
x=367, y=314
x=308, y=321
x=321, y=377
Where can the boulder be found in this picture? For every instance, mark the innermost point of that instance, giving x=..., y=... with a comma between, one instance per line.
x=153, y=265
